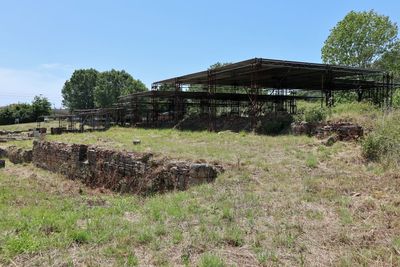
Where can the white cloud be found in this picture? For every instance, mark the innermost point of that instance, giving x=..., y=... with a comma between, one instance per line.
x=21, y=85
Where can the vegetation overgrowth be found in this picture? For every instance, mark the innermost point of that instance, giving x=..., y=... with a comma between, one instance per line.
x=283, y=200
x=24, y=112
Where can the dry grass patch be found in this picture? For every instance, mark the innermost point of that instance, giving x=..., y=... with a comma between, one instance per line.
x=283, y=200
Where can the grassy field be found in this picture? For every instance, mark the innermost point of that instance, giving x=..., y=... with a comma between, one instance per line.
x=284, y=200
x=27, y=126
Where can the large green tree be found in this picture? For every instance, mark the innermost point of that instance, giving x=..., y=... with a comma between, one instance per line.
x=78, y=91
x=390, y=61
x=360, y=39
x=40, y=107
x=215, y=66
x=112, y=84
x=219, y=65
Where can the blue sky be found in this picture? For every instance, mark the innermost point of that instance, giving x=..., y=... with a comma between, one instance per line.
x=42, y=42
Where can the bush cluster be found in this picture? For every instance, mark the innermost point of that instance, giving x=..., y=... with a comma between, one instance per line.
x=276, y=125
x=24, y=112
x=383, y=144
x=312, y=113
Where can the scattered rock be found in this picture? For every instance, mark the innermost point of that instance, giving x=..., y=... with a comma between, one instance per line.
x=331, y=140
x=136, y=142
x=41, y=130
x=300, y=128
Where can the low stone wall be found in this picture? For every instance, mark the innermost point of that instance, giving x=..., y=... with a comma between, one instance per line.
x=18, y=155
x=3, y=153
x=128, y=172
x=343, y=131
x=5, y=132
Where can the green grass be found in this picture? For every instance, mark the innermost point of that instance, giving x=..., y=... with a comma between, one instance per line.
x=225, y=146
x=283, y=200
x=383, y=144
x=210, y=260
x=27, y=126
x=311, y=161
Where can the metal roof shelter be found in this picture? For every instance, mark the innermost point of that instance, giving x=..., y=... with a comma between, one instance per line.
x=255, y=87
x=216, y=96
x=269, y=73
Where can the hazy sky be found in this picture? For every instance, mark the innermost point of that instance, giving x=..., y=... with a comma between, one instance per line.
x=42, y=42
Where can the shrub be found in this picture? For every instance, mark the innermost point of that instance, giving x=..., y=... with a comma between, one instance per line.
x=311, y=112
x=396, y=98
x=276, y=125
x=383, y=144
x=315, y=115
x=372, y=146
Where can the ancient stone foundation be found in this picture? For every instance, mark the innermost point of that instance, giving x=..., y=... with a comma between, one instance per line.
x=128, y=172
x=343, y=131
x=19, y=155
x=3, y=153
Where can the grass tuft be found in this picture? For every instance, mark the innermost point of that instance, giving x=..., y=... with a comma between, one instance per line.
x=311, y=161
x=80, y=236
x=211, y=260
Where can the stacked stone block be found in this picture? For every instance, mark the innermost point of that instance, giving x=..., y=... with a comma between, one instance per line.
x=343, y=131
x=128, y=172
x=19, y=155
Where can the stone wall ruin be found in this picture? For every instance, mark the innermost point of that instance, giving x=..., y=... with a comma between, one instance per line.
x=344, y=131
x=18, y=155
x=127, y=172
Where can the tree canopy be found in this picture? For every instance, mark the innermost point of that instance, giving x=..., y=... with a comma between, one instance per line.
x=218, y=65
x=40, y=107
x=78, y=90
x=390, y=61
x=360, y=40
x=112, y=84
x=25, y=112
x=88, y=88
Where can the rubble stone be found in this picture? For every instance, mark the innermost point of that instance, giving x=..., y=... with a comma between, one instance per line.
x=3, y=153
x=57, y=130
x=19, y=155
x=344, y=131
x=136, y=141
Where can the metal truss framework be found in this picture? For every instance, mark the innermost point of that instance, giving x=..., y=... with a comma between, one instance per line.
x=253, y=88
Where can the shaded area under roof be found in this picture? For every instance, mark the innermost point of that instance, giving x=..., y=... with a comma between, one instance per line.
x=206, y=95
x=269, y=73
